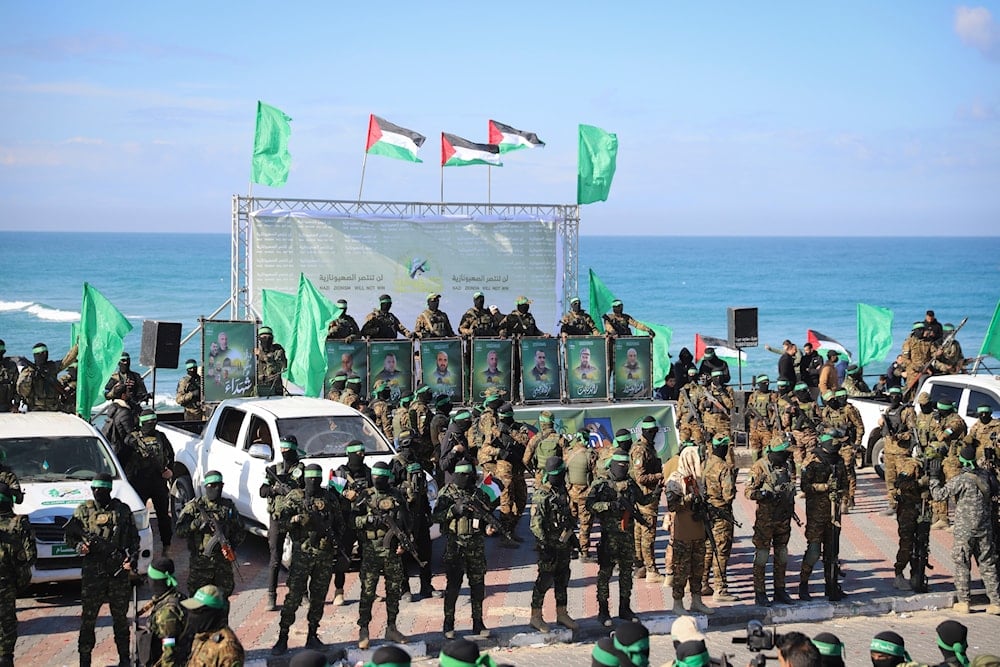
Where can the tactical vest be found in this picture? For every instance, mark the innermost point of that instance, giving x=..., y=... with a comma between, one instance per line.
x=380, y=503
x=578, y=468
x=619, y=323
x=150, y=452
x=548, y=445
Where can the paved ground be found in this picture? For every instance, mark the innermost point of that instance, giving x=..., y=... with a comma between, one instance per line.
x=49, y=618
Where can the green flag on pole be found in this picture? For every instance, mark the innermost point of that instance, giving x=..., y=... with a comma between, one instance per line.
x=307, y=349
x=991, y=343
x=278, y=312
x=271, y=159
x=661, y=351
x=874, y=333
x=102, y=329
x=600, y=297
x=596, y=164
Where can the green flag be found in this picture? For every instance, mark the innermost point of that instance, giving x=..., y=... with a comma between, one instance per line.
x=101, y=331
x=874, y=333
x=271, y=158
x=600, y=298
x=596, y=164
x=991, y=344
x=278, y=312
x=661, y=351
x=307, y=348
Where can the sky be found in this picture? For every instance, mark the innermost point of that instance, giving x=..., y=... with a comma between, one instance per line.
x=733, y=118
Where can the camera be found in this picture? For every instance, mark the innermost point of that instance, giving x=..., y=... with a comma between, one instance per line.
x=758, y=638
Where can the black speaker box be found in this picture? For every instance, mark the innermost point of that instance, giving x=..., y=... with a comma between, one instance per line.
x=161, y=344
x=742, y=327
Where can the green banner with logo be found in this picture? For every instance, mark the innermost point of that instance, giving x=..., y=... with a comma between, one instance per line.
x=586, y=368
x=633, y=372
x=491, y=366
x=441, y=367
x=391, y=362
x=350, y=359
x=228, y=359
x=540, y=370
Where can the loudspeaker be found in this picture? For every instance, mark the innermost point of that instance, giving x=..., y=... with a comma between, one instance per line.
x=742, y=327
x=161, y=344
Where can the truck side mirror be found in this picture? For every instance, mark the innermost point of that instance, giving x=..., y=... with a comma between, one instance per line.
x=261, y=451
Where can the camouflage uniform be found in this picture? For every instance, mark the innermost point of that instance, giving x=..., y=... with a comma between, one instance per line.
x=189, y=397
x=547, y=442
x=343, y=327
x=433, y=324
x=800, y=418
x=578, y=323
x=383, y=326
x=270, y=365
x=317, y=528
x=378, y=560
x=401, y=419
x=947, y=431
x=464, y=551
x=715, y=417
x=166, y=622
x=152, y=455
x=212, y=568
x=972, y=490
x=823, y=485
x=349, y=397
x=646, y=469
x=103, y=578
x=580, y=464
x=219, y=648
x=909, y=494
x=856, y=387
x=986, y=437
x=760, y=407
x=41, y=394
x=720, y=492
x=772, y=489
x=621, y=324
x=519, y=324
x=552, y=524
x=617, y=546
x=17, y=554
x=381, y=412
x=478, y=323
x=841, y=418
x=897, y=422
x=8, y=477
x=923, y=423
x=411, y=480
x=9, y=400
x=420, y=427
x=688, y=427
x=687, y=540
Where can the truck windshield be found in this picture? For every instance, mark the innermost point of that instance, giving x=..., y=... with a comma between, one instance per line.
x=329, y=436
x=41, y=459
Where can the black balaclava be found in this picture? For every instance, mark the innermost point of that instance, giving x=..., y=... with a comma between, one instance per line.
x=356, y=457
x=40, y=352
x=889, y=650
x=313, y=480
x=101, y=488
x=384, y=303
x=802, y=393
x=828, y=449
x=204, y=619
x=618, y=467
x=555, y=472
x=390, y=655
x=777, y=454
x=161, y=576
x=266, y=338
x=213, y=485
x=506, y=413
x=649, y=428
x=623, y=439
x=720, y=447
x=522, y=308
x=381, y=476
x=289, y=450
x=952, y=639
x=464, y=476
x=404, y=445
x=479, y=301
x=831, y=649
x=125, y=363
x=985, y=414
x=895, y=396
x=147, y=422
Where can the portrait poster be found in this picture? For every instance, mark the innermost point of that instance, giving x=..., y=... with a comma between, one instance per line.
x=633, y=370
x=227, y=356
x=391, y=362
x=441, y=367
x=540, y=369
x=491, y=366
x=586, y=368
x=351, y=359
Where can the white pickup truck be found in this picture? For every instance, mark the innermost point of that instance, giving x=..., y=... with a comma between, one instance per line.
x=241, y=439
x=55, y=456
x=967, y=391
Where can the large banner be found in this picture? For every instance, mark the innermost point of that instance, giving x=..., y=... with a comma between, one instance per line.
x=633, y=372
x=586, y=368
x=540, y=370
x=360, y=258
x=227, y=355
x=441, y=367
x=491, y=366
x=391, y=362
x=351, y=359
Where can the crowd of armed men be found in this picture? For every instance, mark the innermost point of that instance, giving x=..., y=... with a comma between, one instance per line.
x=798, y=446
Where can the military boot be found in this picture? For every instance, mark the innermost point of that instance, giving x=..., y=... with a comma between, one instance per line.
x=804, y=591
x=781, y=596
x=723, y=595
x=394, y=635
x=625, y=611
x=960, y=607
x=699, y=606
x=901, y=583
x=312, y=639
x=84, y=660
x=479, y=628
x=449, y=627
x=272, y=601
x=760, y=599
x=537, y=622
x=564, y=619
x=639, y=572
x=603, y=615
x=653, y=576
x=338, y=597
x=281, y=646
x=678, y=608
x=363, y=637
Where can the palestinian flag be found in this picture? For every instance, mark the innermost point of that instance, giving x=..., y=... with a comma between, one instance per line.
x=722, y=349
x=385, y=138
x=337, y=482
x=511, y=139
x=491, y=487
x=822, y=342
x=459, y=152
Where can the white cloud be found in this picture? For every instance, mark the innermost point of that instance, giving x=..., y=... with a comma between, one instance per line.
x=976, y=28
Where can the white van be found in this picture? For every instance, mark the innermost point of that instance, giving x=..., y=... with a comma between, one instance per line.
x=54, y=456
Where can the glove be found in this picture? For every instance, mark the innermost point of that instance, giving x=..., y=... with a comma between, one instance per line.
x=935, y=470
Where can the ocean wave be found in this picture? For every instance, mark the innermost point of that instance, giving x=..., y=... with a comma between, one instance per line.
x=6, y=306
x=41, y=311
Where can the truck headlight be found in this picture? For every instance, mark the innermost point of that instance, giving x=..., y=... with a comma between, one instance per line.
x=141, y=519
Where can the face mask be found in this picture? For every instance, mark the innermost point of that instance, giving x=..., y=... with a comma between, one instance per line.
x=523, y=308
x=721, y=452
x=829, y=454
x=6, y=508
x=926, y=408
x=619, y=471
x=213, y=492
x=778, y=459
x=313, y=487
x=102, y=497
x=649, y=434
x=381, y=483
x=355, y=461
x=149, y=428
x=986, y=418
x=41, y=358
x=803, y=396
x=289, y=456
x=895, y=399
x=203, y=619
x=158, y=586
x=266, y=342
x=557, y=481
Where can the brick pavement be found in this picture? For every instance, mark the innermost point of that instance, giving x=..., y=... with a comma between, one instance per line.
x=49, y=619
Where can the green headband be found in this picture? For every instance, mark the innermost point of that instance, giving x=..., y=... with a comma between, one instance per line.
x=840, y=392
x=783, y=383
x=623, y=438
x=620, y=458
x=191, y=364
x=464, y=414
x=616, y=302
x=763, y=378
x=265, y=331
x=464, y=467
x=100, y=484
x=558, y=471
x=145, y=418
x=153, y=573
x=385, y=664
x=543, y=418
x=826, y=648
x=984, y=410
x=484, y=660
x=958, y=648
x=381, y=472
x=287, y=444
x=313, y=473
x=943, y=406
x=38, y=349
x=604, y=657
x=212, y=479
x=724, y=440
x=827, y=395
x=780, y=447
x=895, y=390
x=882, y=646
x=648, y=423
x=354, y=449
x=966, y=463
x=414, y=467
x=638, y=651
x=825, y=437
x=385, y=299
x=354, y=380
x=209, y=600
x=801, y=386
x=699, y=660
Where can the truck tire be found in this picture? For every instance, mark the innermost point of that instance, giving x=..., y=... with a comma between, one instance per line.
x=181, y=493
x=877, y=458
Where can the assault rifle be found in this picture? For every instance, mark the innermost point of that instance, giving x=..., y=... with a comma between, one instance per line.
x=484, y=513
x=714, y=401
x=831, y=543
x=280, y=487
x=101, y=548
x=62, y=390
x=393, y=531
x=693, y=411
x=325, y=529
x=911, y=382
x=782, y=488
x=767, y=418
x=708, y=513
x=218, y=539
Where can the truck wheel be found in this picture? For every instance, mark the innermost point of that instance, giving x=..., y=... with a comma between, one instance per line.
x=878, y=458
x=180, y=495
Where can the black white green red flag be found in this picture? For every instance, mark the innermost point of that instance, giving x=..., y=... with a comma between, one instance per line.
x=511, y=139
x=391, y=140
x=823, y=342
x=459, y=152
x=722, y=349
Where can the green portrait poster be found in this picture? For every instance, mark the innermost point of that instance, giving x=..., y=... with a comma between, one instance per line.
x=540, y=369
x=633, y=370
x=586, y=368
x=391, y=362
x=441, y=367
x=228, y=359
x=491, y=366
x=351, y=359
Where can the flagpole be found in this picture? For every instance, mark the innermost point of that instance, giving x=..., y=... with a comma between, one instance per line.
x=489, y=184
x=442, y=189
x=364, y=163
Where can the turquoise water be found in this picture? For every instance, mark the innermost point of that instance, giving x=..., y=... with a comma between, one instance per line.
x=685, y=283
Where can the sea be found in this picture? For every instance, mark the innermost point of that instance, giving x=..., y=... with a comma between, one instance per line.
x=685, y=283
